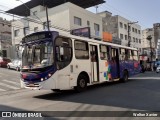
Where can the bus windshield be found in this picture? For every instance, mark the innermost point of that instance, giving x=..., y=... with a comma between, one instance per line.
x=37, y=55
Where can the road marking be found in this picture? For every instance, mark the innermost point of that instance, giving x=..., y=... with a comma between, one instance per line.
x=9, y=86
x=12, y=82
x=2, y=89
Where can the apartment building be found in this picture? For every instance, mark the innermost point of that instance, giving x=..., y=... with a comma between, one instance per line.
x=148, y=45
x=5, y=38
x=118, y=26
x=64, y=18
x=156, y=27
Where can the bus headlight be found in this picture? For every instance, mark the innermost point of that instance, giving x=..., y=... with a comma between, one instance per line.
x=42, y=79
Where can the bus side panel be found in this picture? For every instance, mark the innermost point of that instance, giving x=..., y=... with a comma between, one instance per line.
x=137, y=67
x=132, y=67
x=104, y=66
x=123, y=65
x=80, y=66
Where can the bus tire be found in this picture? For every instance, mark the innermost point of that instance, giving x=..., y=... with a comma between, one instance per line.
x=56, y=90
x=81, y=83
x=125, y=76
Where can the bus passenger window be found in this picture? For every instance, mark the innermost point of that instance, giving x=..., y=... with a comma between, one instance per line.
x=135, y=57
x=122, y=54
x=81, y=50
x=103, y=52
x=63, y=52
x=126, y=54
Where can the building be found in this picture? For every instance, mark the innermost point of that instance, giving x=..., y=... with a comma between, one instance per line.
x=148, y=45
x=64, y=18
x=118, y=27
x=156, y=27
x=5, y=38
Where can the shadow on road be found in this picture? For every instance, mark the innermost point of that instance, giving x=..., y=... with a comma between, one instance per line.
x=140, y=94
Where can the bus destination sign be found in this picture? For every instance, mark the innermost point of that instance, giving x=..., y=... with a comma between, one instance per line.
x=36, y=37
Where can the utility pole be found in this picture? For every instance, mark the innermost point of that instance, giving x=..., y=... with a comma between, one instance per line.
x=47, y=18
x=149, y=38
x=96, y=9
x=129, y=29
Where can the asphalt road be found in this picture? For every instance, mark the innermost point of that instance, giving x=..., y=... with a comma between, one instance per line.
x=140, y=93
x=9, y=80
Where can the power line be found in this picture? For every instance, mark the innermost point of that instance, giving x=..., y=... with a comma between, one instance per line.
x=33, y=20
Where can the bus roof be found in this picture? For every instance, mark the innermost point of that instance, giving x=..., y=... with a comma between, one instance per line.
x=94, y=41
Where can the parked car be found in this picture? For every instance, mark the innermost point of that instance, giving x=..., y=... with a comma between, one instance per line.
x=4, y=62
x=158, y=69
x=15, y=64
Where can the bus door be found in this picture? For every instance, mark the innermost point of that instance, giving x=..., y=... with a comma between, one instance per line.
x=94, y=63
x=115, y=67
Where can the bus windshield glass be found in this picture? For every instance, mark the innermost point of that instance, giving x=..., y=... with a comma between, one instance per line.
x=37, y=55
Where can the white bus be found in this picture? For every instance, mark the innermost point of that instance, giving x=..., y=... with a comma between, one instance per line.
x=57, y=61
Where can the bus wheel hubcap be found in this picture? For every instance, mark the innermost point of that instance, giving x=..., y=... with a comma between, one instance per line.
x=82, y=83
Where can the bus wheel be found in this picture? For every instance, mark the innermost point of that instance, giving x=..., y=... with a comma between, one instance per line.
x=81, y=83
x=125, y=77
x=56, y=90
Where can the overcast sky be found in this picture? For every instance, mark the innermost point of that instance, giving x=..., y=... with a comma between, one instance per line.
x=144, y=11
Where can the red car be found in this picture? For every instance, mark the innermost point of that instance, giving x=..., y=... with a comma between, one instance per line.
x=4, y=62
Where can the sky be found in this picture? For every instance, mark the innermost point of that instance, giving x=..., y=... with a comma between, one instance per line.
x=146, y=12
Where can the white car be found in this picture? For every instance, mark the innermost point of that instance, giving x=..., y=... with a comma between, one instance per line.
x=158, y=69
x=15, y=64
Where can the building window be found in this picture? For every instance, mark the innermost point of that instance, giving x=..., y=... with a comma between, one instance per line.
x=16, y=33
x=45, y=25
x=136, y=40
x=132, y=29
x=77, y=21
x=139, y=40
x=88, y=23
x=133, y=39
x=129, y=28
x=36, y=29
x=139, y=31
x=26, y=30
x=121, y=36
x=125, y=37
x=121, y=25
x=135, y=30
x=125, y=26
x=97, y=29
x=4, y=53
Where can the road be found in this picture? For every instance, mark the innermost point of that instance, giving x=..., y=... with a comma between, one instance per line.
x=9, y=80
x=141, y=92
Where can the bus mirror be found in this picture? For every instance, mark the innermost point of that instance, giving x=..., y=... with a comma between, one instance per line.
x=61, y=51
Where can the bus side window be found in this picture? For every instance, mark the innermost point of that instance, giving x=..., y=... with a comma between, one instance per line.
x=135, y=55
x=132, y=54
x=81, y=49
x=63, y=52
x=113, y=54
x=108, y=52
x=126, y=54
x=121, y=52
x=104, y=52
